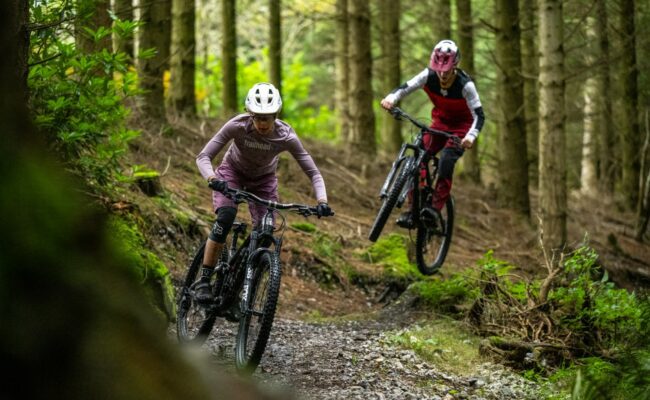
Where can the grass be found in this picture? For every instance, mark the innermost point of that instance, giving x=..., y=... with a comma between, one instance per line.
x=391, y=253
x=444, y=343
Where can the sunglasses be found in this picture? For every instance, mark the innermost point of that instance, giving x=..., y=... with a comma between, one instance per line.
x=263, y=117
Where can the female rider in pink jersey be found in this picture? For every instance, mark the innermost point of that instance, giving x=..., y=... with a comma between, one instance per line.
x=250, y=163
x=457, y=109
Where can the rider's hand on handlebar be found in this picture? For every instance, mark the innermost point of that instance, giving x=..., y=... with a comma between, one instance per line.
x=323, y=210
x=388, y=105
x=218, y=185
x=467, y=142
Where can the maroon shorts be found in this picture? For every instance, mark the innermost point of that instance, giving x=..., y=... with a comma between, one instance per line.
x=265, y=187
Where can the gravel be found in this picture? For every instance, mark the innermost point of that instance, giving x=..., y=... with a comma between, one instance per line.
x=353, y=360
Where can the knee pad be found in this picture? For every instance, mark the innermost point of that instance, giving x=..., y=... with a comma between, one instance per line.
x=221, y=228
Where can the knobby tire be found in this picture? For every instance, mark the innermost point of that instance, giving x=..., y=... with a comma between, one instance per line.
x=390, y=201
x=188, y=310
x=254, y=330
x=430, y=241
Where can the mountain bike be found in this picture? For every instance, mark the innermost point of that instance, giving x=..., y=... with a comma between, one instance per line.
x=413, y=175
x=246, y=278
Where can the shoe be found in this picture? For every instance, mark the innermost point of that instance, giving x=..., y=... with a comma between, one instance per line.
x=405, y=220
x=233, y=313
x=203, y=293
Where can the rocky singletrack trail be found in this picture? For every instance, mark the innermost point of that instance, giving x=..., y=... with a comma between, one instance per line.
x=353, y=359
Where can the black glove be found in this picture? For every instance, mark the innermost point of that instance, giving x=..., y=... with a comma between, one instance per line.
x=219, y=186
x=323, y=210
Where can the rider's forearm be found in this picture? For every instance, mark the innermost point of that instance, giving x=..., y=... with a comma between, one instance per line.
x=417, y=82
x=477, y=125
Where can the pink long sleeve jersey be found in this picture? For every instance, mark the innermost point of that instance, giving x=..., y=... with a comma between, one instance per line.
x=254, y=155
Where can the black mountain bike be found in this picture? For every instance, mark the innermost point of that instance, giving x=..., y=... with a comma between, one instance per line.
x=415, y=171
x=247, y=274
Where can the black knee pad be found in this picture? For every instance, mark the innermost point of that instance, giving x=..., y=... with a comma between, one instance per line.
x=221, y=228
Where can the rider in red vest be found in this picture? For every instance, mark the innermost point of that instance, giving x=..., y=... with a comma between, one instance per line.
x=457, y=109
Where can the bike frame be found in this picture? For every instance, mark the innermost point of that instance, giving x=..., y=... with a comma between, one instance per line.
x=241, y=259
x=420, y=160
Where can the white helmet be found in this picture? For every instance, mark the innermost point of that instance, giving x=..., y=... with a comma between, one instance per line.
x=263, y=98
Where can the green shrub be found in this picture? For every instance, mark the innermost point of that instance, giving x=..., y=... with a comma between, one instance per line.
x=77, y=98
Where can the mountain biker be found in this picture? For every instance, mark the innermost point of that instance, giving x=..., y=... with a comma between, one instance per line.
x=250, y=162
x=457, y=109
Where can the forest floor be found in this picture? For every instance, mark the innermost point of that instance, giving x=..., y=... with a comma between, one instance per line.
x=332, y=318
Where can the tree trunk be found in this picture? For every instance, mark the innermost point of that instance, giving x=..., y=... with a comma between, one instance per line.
x=513, y=165
x=153, y=14
x=643, y=211
x=441, y=12
x=275, y=43
x=14, y=44
x=529, y=66
x=552, y=141
x=630, y=138
x=342, y=68
x=92, y=14
x=390, y=15
x=362, y=118
x=183, y=58
x=591, y=118
x=606, y=132
x=470, y=160
x=166, y=34
x=229, y=58
x=123, y=10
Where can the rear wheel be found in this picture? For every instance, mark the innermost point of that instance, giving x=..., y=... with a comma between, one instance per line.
x=193, y=321
x=255, y=325
x=433, y=239
x=401, y=177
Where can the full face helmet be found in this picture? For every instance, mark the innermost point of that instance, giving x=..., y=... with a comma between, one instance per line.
x=263, y=98
x=445, y=56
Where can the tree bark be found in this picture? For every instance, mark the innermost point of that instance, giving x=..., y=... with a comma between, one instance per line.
x=123, y=10
x=643, y=211
x=530, y=70
x=630, y=138
x=92, y=14
x=390, y=15
x=470, y=160
x=513, y=165
x=591, y=116
x=606, y=132
x=362, y=118
x=441, y=11
x=229, y=58
x=275, y=43
x=342, y=68
x=14, y=45
x=183, y=58
x=552, y=148
x=153, y=15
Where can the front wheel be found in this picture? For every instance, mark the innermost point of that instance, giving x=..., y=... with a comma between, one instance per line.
x=433, y=239
x=255, y=325
x=394, y=191
x=193, y=321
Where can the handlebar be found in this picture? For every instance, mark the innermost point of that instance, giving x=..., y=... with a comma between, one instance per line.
x=239, y=196
x=399, y=114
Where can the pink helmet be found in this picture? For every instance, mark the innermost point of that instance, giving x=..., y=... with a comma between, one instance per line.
x=445, y=56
